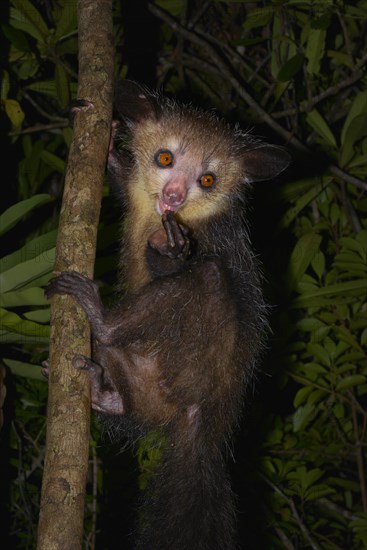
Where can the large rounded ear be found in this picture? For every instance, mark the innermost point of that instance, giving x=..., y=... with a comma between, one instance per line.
x=264, y=162
x=134, y=103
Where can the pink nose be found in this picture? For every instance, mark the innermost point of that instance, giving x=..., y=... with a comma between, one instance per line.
x=174, y=194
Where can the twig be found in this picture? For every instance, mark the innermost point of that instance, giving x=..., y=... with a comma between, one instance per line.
x=64, y=123
x=283, y=537
x=337, y=509
x=38, y=108
x=233, y=54
x=37, y=462
x=346, y=38
x=281, y=534
x=333, y=90
x=347, y=177
x=198, y=15
x=295, y=513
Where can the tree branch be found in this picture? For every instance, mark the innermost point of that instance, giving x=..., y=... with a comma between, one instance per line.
x=66, y=462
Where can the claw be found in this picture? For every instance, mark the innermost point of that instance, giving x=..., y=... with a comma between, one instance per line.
x=78, y=105
x=80, y=362
x=45, y=368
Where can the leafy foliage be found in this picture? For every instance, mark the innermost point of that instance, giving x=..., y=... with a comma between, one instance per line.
x=296, y=70
x=314, y=456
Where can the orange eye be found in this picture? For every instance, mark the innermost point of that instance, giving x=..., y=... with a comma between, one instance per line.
x=164, y=158
x=207, y=180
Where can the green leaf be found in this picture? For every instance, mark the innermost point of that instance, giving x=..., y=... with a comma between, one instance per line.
x=346, y=484
x=62, y=86
x=294, y=189
x=279, y=90
x=16, y=212
x=340, y=58
x=302, y=479
x=275, y=436
x=33, y=248
x=38, y=316
x=28, y=68
x=301, y=203
x=318, y=491
x=316, y=396
x=301, y=396
x=318, y=123
x=362, y=240
x=67, y=134
x=302, y=417
x=290, y=441
x=54, y=161
x=291, y=67
x=40, y=281
x=65, y=17
x=320, y=353
x=14, y=323
x=14, y=112
x=323, y=21
x=28, y=370
x=258, y=17
x=358, y=108
x=312, y=476
x=25, y=272
x=18, y=338
x=351, y=381
x=314, y=369
x=352, y=258
x=315, y=50
x=339, y=293
x=17, y=38
x=304, y=251
x=310, y=324
x=356, y=131
x=25, y=17
x=318, y=264
x=339, y=410
x=47, y=87
x=20, y=298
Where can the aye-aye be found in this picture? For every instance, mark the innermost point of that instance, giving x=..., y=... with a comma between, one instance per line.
x=175, y=353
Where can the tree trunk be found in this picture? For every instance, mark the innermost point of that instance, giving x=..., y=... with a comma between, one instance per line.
x=66, y=462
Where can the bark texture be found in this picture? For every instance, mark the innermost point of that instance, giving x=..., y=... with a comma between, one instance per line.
x=66, y=462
